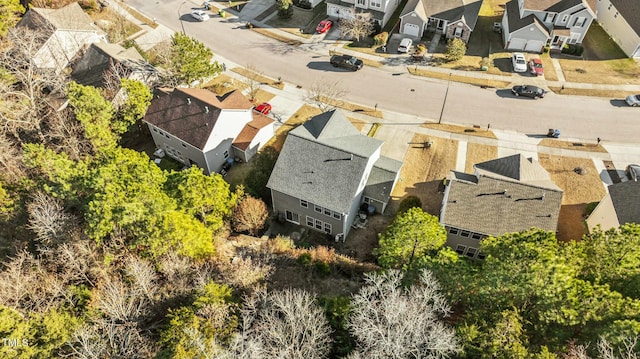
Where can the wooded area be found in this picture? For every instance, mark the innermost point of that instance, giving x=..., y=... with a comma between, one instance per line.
x=106, y=255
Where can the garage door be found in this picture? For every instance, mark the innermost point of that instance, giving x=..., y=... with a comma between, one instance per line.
x=411, y=30
x=534, y=46
x=517, y=44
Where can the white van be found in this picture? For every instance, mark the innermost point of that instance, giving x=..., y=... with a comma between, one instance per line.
x=405, y=45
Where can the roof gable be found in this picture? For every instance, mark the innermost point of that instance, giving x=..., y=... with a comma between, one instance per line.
x=516, y=167
x=98, y=59
x=251, y=129
x=515, y=22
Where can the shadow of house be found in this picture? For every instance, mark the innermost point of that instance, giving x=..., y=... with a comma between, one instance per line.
x=509, y=194
x=619, y=206
x=196, y=127
x=453, y=19
x=103, y=66
x=64, y=33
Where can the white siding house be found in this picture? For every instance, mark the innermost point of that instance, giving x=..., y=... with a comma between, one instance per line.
x=621, y=20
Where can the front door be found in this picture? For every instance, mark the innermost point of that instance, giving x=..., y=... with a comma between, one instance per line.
x=440, y=25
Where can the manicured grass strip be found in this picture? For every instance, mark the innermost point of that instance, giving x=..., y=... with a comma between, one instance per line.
x=458, y=78
x=263, y=79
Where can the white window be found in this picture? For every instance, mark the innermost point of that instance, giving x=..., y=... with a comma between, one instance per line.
x=565, y=18
x=304, y=203
x=337, y=215
x=317, y=208
x=616, y=15
x=327, y=212
x=318, y=224
x=362, y=2
x=310, y=222
x=477, y=236
x=183, y=145
x=327, y=227
x=453, y=230
x=226, y=154
x=458, y=32
x=292, y=217
x=580, y=21
x=481, y=256
x=460, y=249
x=155, y=129
x=367, y=200
x=550, y=17
x=464, y=233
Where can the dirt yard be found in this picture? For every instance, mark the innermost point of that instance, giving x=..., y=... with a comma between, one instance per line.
x=581, y=183
x=477, y=153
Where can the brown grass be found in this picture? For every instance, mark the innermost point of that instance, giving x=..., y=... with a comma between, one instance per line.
x=617, y=71
x=302, y=115
x=591, y=92
x=222, y=84
x=263, y=96
x=549, y=71
x=580, y=146
x=479, y=132
x=141, y=17
x=457, y=78
x=579, y=190
x=423, y=171
x=262, y=79
x=477, y=153
x=119, y=29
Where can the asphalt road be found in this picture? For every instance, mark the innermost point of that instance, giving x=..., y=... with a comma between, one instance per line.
x=578, y=117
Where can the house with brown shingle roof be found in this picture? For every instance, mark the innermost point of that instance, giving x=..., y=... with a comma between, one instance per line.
x=505, y=195
x=63, y=33
x=621, y=20
x=529, y=25
x=197, y=127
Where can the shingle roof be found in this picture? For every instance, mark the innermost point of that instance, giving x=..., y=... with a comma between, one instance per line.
x=323, y=162
x=626, y=201
x=90, y=70
x=450, y=10
x=563, y=5
x=382, y=178
x=191, y=114
x=495, y=206
x=517, y=167
x=630, y=12
x=515, y=22
x=70, y=17
x=250, y=130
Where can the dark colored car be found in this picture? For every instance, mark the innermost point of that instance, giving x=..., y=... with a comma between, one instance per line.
x=528, y=91
x=263, y=108
x=633, y=172
x=324, y=26
x=535, y=66
x=346, y=61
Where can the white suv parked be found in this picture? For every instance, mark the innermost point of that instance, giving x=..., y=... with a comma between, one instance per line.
x=519, y=62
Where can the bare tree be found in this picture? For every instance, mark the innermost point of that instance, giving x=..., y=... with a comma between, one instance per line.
x=107, y=339
x=283, y=324
x=113, y=78
x=23, y=101
x=253, y=80
x=250, y=215
x=391, y=321
x=132, y=300
x=246, y=272
x=326, y=94
x=11, y=167
x=356, y=25
x=48, y=219
x=627, y=349
x=66, y=134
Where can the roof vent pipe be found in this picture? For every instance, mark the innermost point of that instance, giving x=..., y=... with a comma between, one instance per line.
x=206, y=109
x=188, y=100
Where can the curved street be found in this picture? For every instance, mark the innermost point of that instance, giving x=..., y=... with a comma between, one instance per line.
x=393, y=90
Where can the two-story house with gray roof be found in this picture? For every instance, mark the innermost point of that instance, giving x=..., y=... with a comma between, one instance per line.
x=619, y=206
x=452, y=18
x=505, y=195
x=621, y=20
x=380, y=10
x=529, y=25
x=197, y=127
x=64, y=32
x=326, y=171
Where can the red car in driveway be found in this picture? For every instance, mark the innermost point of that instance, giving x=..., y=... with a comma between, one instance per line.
x=535, y=66
x=263, y=108
x=324, y=26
